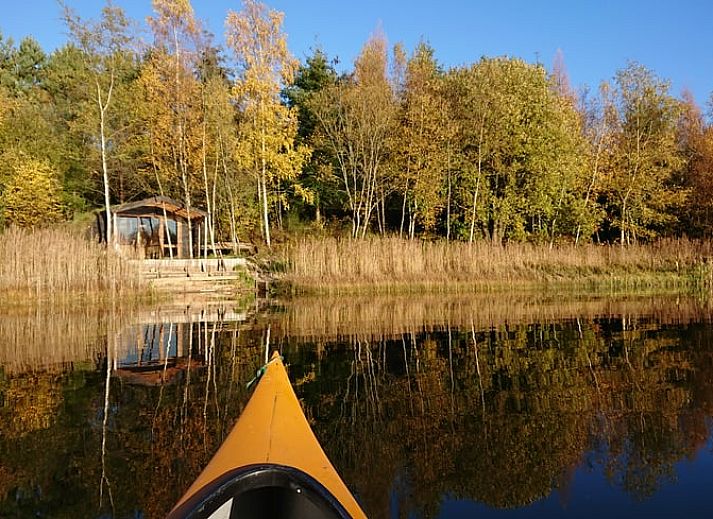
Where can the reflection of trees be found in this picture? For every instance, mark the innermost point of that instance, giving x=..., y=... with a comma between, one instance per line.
x=501, y=412
x=47, y=463
x=158, y=437
x=170, y=432
x=636, y=393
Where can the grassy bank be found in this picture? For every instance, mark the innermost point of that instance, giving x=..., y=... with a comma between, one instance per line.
x=394, y=265
x=51, y=264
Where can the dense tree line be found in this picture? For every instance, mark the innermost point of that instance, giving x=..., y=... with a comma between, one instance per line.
x=500, y=149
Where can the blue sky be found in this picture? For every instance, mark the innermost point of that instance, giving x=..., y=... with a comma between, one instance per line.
x=674, y=38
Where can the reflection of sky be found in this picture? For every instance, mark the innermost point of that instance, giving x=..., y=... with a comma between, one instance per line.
x=591, y=495
x=145, y=343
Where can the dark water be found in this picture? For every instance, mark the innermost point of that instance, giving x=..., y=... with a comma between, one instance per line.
x=435, y=407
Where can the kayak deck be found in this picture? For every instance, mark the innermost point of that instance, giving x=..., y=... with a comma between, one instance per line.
x=270, y=465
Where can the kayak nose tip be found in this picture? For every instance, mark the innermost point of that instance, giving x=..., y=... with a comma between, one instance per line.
x=275, y=355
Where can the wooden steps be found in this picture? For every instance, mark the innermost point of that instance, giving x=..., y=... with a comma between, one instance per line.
x=213, y=275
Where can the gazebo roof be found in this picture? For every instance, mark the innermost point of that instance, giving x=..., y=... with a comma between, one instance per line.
x=161, y=202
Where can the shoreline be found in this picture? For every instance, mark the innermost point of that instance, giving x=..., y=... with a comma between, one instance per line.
x=392, y=265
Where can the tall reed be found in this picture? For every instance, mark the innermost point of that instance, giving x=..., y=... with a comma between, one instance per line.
x=56, y=263
x=325, y=264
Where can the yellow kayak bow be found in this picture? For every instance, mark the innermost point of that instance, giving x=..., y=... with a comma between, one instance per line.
x=270, y=465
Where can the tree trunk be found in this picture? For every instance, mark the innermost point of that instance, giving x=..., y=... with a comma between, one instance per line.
x=473, y=213
x=110, y=238
x=110, y=231
x=265, y=217
x=448, y=206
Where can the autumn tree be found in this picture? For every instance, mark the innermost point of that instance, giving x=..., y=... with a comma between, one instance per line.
x=4, y=104
x=268, y=128
x=356, y=119
x=32, y=195
x=645, y=156
x=172, y=107
x=30, y=124
x=519, y=167
x=105, y=49
x=560, y=76
x=218, y=144
x=598, y=122
x=695, y=142
x=423, y=141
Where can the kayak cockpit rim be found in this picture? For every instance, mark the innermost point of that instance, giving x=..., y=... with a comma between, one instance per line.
x=265, y=490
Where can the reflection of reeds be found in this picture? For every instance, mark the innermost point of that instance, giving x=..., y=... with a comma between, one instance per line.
x=328, y=264
x=329, y=318
x=48, y=263
x=42, y=337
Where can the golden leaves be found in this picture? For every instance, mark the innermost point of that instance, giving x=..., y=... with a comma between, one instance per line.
x=32, y=196
x=268, y=128
x=265, y=62
x=173, y=18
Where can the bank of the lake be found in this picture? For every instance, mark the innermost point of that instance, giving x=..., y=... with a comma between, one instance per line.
x=62, y=264
x=392, y=265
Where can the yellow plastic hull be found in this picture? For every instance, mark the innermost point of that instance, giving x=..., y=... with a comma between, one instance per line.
x=273, y=430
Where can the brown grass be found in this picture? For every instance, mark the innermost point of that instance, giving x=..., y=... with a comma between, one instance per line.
x=59, y=263
x=343, y=265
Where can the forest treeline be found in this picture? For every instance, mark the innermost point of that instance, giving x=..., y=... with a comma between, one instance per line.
x=500, y=149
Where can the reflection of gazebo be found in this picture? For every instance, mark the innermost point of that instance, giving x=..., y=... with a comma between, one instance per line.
x=156, y=227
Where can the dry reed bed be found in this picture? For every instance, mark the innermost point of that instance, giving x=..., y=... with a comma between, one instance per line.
x=321, y=263
x=52, y=263
x=389, y=317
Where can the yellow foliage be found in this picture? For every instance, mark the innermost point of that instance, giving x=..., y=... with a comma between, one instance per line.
x=171, y=95
x=267, y=146
x=32, y=196
x=4, y=104
x=33, y=400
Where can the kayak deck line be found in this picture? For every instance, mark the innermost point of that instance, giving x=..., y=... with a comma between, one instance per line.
x=270, y=465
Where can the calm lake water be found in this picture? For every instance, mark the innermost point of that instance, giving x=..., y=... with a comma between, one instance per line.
x=441, y=406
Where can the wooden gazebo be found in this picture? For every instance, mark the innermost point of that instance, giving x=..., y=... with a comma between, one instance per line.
x=156, y=227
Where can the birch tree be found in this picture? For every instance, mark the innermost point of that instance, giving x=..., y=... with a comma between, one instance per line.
x=105, y=48
x=268, y=128
x=173, y=95
x=423, y=140
x=217, y=143
x=598, y=116
x=645, y=156
x=520, y=171
x=356, y=119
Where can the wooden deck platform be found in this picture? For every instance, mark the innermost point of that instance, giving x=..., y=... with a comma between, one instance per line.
x=221, y=276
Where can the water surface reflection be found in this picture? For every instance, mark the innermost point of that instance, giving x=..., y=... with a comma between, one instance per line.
x=431, y=407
